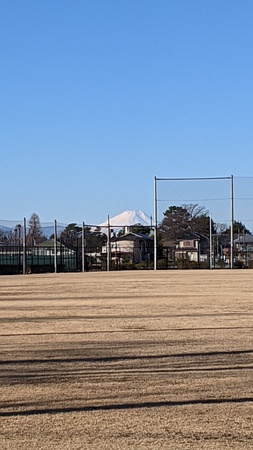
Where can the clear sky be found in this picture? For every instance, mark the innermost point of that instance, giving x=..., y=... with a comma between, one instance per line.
x=98, y=97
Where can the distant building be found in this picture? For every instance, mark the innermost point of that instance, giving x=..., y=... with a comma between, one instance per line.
x=243, y=248
x=188, y=248
x=43, y=255
x=131, y=247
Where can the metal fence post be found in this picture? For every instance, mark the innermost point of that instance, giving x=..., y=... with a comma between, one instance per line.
x=24, y=246
x=83, y=249
x=55, y=246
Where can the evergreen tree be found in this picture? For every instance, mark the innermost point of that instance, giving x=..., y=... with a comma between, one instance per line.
x=35, y=235
x=71, y=234
x=182, y=221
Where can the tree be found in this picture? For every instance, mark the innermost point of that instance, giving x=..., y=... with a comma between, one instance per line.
x=141, y=229
x=239, y=228
x=176, y=222
x=196, y=210
x=182, y=221
x=94, y=240
x=220, y=228
x=71, y=234
x=136, y=228
x=11, y=236
x=6, y=236
x=35, y=235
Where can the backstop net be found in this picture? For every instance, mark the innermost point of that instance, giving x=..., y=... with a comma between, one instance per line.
x=212, y=197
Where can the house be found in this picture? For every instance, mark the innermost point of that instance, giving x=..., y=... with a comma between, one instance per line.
x=43, y=255
x=243, y=249
x=46, y=248
x=188, y=248
x=131, y=247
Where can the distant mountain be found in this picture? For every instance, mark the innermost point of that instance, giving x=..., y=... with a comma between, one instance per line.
x=4, y=228
x=127, y=219
x=49, y=230
x=46, y=230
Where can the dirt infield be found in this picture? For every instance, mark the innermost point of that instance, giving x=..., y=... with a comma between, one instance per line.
x=128, y=360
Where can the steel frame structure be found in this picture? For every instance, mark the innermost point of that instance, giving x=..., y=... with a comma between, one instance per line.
x=231, y=178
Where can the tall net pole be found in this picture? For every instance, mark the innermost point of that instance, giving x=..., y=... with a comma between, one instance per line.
x=108, y=244
x=155, y=224
x=232, y=222
x=83, y=248
x=24, y=246
x=210, y=243
x=55, y=246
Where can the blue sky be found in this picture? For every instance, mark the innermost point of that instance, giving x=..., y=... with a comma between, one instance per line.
x=98, y=97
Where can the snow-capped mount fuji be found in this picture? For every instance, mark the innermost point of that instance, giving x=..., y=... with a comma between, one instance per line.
x=128, y=219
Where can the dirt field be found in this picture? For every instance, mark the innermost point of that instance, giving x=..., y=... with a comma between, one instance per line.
x=128, y=360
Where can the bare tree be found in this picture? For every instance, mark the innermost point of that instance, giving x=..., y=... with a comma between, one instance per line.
x=195, y=210
x=220, y=227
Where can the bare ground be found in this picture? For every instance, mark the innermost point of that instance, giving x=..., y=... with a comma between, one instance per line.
x=128, y=360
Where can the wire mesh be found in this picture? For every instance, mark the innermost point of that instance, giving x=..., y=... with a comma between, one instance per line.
x=76, y=246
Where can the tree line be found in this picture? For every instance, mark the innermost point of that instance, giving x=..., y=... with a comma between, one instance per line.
x=71, y=235
x=177, y=222
x=182, y=221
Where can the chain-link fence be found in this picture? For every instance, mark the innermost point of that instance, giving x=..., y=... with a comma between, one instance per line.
x=58, y=247
x=38, y=247
x=227, y=203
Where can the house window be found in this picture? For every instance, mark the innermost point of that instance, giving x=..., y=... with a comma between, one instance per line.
x=187, y=243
